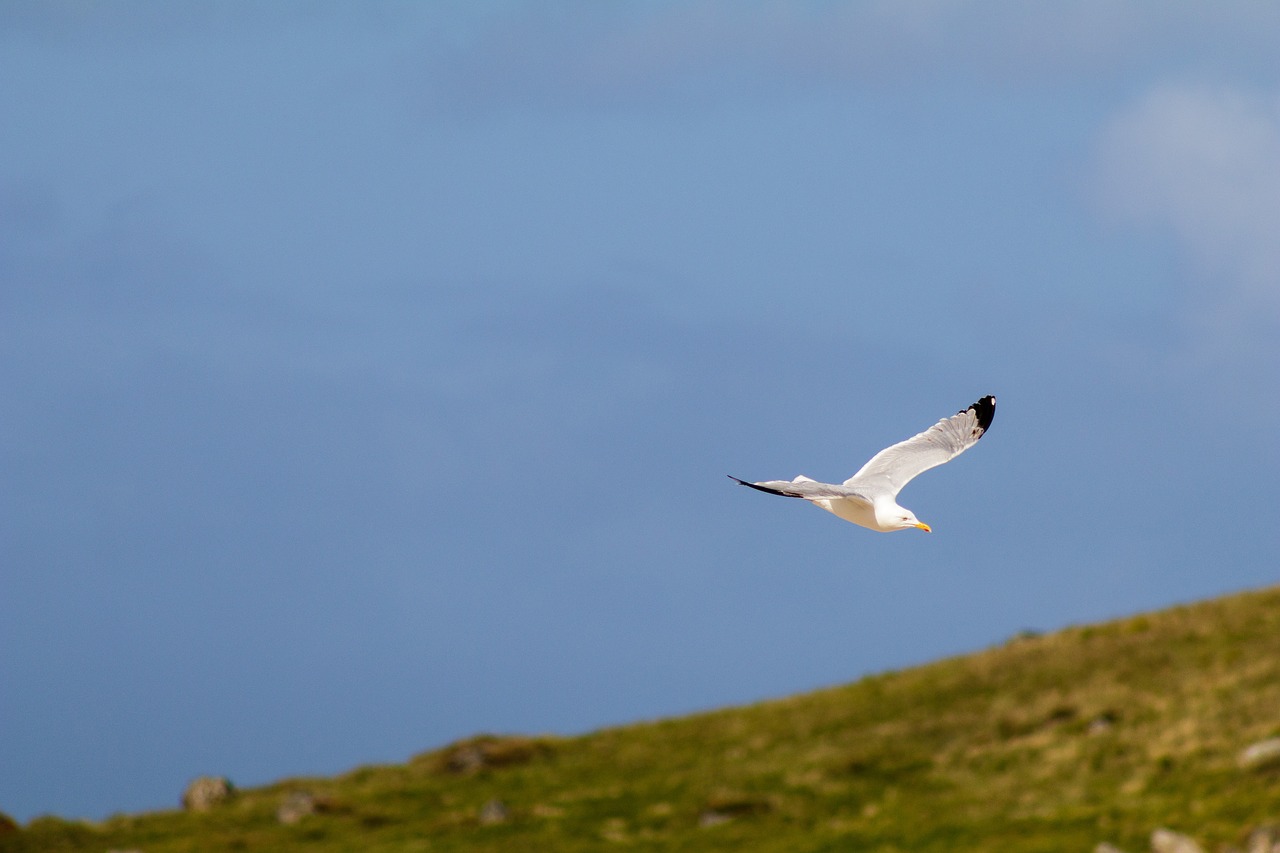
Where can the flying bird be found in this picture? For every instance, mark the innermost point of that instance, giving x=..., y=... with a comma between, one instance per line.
x=869, y=497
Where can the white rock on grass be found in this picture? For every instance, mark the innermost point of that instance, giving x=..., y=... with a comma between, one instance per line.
x=296, y=806
x=1167, y=841
x=206, y=792
x=1264, y=753
x=1264, y=839
x=494, y=811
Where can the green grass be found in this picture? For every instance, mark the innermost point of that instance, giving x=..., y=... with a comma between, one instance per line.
x=1047, y=743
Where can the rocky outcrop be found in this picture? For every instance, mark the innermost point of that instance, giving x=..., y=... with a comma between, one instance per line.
x=494, y=811
x=486, y=752
x=1167, y=841
x=206, y=792
x=1261, y=755
x=295, y=806
x=1264, y=839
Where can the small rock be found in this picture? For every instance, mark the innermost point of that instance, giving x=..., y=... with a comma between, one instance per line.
x=1104, y=847
x=709, y=818
x=295, y=807
x=466, y=758
x=1167, y=841
x=206, y=792
x=1104, y=722
x=1100, y=726
x=488, y=752
x=1264, y=753
x=494, y=811
x=1264, y=839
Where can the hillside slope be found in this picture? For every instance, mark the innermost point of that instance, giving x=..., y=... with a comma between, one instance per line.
x=1048, y=743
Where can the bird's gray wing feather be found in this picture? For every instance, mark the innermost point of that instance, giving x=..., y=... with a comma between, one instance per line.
x=803, y=487
x=895, y=466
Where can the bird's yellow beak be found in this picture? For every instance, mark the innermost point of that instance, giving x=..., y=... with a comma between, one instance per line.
x=926, y=528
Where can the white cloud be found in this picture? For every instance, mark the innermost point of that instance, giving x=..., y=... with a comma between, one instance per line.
x=1204, y=163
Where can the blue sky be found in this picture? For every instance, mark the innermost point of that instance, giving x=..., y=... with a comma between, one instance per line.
x=371, y=372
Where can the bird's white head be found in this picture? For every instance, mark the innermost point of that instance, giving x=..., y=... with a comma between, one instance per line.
x=890, y=517
x=906, y=518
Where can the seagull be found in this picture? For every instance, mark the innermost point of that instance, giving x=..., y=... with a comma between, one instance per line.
x=869, y=497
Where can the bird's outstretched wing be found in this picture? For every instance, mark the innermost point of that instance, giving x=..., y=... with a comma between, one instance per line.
x=895, y=466
x=803, y=487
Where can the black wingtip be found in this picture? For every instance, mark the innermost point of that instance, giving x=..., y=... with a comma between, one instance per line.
x=760, y=488
x=984, y=410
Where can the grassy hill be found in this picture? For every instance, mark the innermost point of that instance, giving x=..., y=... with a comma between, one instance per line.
x=1047, y=743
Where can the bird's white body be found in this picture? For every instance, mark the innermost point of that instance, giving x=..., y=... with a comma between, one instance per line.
x=869, y=497
x=874, y=517
x=882, y=516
